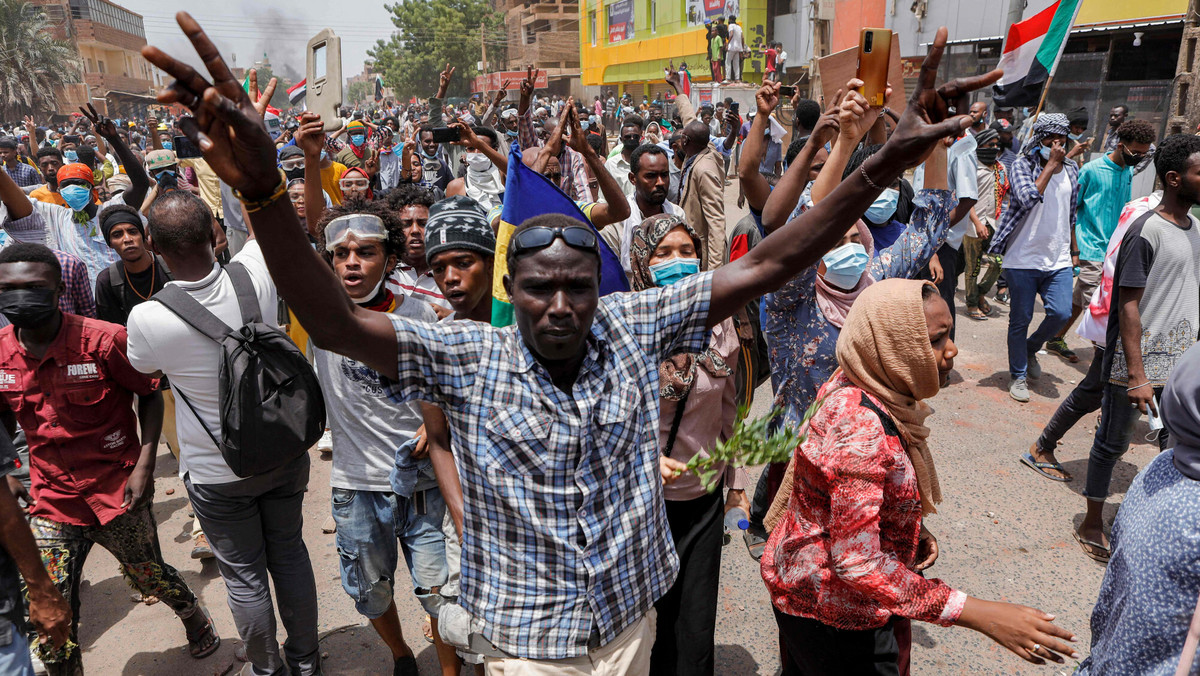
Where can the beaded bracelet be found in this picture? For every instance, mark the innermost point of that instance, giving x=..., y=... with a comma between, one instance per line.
x=258, y=205
x=862, y=169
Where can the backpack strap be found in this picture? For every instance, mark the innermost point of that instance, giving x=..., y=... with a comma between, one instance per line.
x=116, y=277
x=195, y=315
x=178, y=392
x=246, y=296
x=682, y=404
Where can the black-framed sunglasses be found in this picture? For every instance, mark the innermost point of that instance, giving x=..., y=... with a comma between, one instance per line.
x=542, y=236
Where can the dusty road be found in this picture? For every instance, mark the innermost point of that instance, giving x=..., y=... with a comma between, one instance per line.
x=1005, y=534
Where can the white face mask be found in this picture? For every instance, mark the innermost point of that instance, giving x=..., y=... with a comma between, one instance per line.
x=478, y=162
x=370, y=296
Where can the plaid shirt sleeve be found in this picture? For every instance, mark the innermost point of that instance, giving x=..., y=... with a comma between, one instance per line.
x=24, y=175
x=32, y=228
x=525, y=135
x=1022, y=195
x=668, y=320
x=435, y=362
x=575, y=181
x=77, y=298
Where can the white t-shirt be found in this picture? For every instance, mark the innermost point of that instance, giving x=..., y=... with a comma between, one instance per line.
x=161, y=341
x=367, y=426
x=735, y=39
x=1043, y=242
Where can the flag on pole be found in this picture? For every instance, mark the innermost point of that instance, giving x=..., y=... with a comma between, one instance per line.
x=296, y=92
x=378, y=88
x=528, y=194
x=1031, y=54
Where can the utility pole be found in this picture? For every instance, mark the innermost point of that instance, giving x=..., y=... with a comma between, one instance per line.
x=1016, y=10
x=1184, y=112
x=483, y=55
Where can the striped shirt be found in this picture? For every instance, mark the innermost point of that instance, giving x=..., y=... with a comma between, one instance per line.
x=406, y=281
x=565, y=532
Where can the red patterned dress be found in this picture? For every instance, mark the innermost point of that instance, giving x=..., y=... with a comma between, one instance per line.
x=843, y=552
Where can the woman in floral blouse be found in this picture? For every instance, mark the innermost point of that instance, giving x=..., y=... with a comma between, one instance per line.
x=843, y=564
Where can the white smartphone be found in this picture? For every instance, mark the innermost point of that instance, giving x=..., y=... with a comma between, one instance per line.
x=1156, y=422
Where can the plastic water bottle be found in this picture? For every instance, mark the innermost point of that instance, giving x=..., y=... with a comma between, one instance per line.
x=735, y=520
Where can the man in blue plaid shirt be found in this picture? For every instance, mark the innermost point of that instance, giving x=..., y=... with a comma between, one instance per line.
x=565, y=544
x=22, y=174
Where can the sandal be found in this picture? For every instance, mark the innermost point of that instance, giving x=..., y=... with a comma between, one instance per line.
x=756, y=541
x=1098, y=552
x=977, y=314
x=207, y=641
x=985, y=307
x=1041, y=467
x=427, y=629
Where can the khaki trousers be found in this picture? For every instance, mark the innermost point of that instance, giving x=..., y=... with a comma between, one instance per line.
x=627, y=655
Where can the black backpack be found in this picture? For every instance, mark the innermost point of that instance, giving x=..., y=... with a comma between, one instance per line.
x=272, y=410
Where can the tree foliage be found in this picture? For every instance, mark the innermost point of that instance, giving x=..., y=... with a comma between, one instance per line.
x=33, y=65
x=431, y=33
x=280, y=98
x=360, y=92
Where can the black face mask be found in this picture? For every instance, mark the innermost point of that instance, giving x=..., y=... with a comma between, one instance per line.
x=630, y=144
x=293, y=174
x=167, y=180
x=1130, y=159
x=987, y=155
x=28, y=308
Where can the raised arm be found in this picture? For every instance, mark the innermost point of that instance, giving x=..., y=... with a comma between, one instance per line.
x=804, y=240
x=229, y=131
x=754, y=184
x=311, y=139
x=855, y=118
x=783, y=199
x=133, y=168
x=614, y=208
x=687, y=112
x=15, y=202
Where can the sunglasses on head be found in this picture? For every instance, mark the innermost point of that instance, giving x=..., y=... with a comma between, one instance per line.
x=542, y=236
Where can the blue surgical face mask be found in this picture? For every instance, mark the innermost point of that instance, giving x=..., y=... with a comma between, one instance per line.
x=1075, y=137
x=667, y=273
x=70, y=156
x=884, y=207
x=358, y=139
x=76, y=196
x=1045, y=152
x=168, y=145
x=845, y=265
x=510, y=134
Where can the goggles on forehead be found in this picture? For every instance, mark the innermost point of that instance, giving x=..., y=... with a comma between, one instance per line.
x=355, y=183
x=363, y=226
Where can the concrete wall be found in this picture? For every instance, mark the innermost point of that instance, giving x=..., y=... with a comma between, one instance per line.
x=964, y=20
x=794, y=30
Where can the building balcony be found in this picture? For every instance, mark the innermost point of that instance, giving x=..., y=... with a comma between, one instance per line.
x=107, y=82
x=557, y=49
x=106, y=37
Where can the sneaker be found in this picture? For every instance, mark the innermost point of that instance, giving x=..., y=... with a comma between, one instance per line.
x=1018, y=390
x=325, y=445
x=1002, y=297
x=1034, y=369
x=1059, y=347
x=201, y=550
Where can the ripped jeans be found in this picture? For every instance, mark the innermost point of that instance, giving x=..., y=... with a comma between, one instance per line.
x=132, y=538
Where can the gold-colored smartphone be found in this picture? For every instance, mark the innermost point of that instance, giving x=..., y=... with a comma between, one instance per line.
x=874, y=52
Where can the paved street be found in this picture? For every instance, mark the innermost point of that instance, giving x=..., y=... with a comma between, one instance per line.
x=1005, y=534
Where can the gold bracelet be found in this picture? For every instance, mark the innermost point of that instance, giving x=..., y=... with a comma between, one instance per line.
x=258, y=205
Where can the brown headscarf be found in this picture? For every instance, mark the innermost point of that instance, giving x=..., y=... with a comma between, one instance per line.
x=676, y=374
x=884, y=349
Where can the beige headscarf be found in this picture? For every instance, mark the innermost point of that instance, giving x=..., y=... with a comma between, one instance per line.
x=884, y=349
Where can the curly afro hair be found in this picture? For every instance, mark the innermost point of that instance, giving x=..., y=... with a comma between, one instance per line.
x=1174, y=154
x=1136, y=131
x=394, y=245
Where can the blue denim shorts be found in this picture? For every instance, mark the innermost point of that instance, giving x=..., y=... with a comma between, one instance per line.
x=370, y=524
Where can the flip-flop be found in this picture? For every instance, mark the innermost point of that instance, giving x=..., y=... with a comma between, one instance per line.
x=1084, y=543
x=427, y=629
x=985, y=307
x=977, y=314
x=1041, y=467
x=209, y=632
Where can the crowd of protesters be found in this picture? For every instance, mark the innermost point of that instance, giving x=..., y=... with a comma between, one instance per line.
x=535, y=477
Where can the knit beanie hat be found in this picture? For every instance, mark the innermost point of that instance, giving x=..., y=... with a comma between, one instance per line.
x=458, y=223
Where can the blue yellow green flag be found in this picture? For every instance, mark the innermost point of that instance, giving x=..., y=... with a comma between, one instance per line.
x=528, y=194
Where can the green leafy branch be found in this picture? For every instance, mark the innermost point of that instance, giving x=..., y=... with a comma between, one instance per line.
x=750, y=444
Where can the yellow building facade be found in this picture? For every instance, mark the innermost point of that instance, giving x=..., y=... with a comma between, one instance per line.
x=626, y=44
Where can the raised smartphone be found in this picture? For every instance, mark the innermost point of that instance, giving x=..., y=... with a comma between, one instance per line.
x=874, y=52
